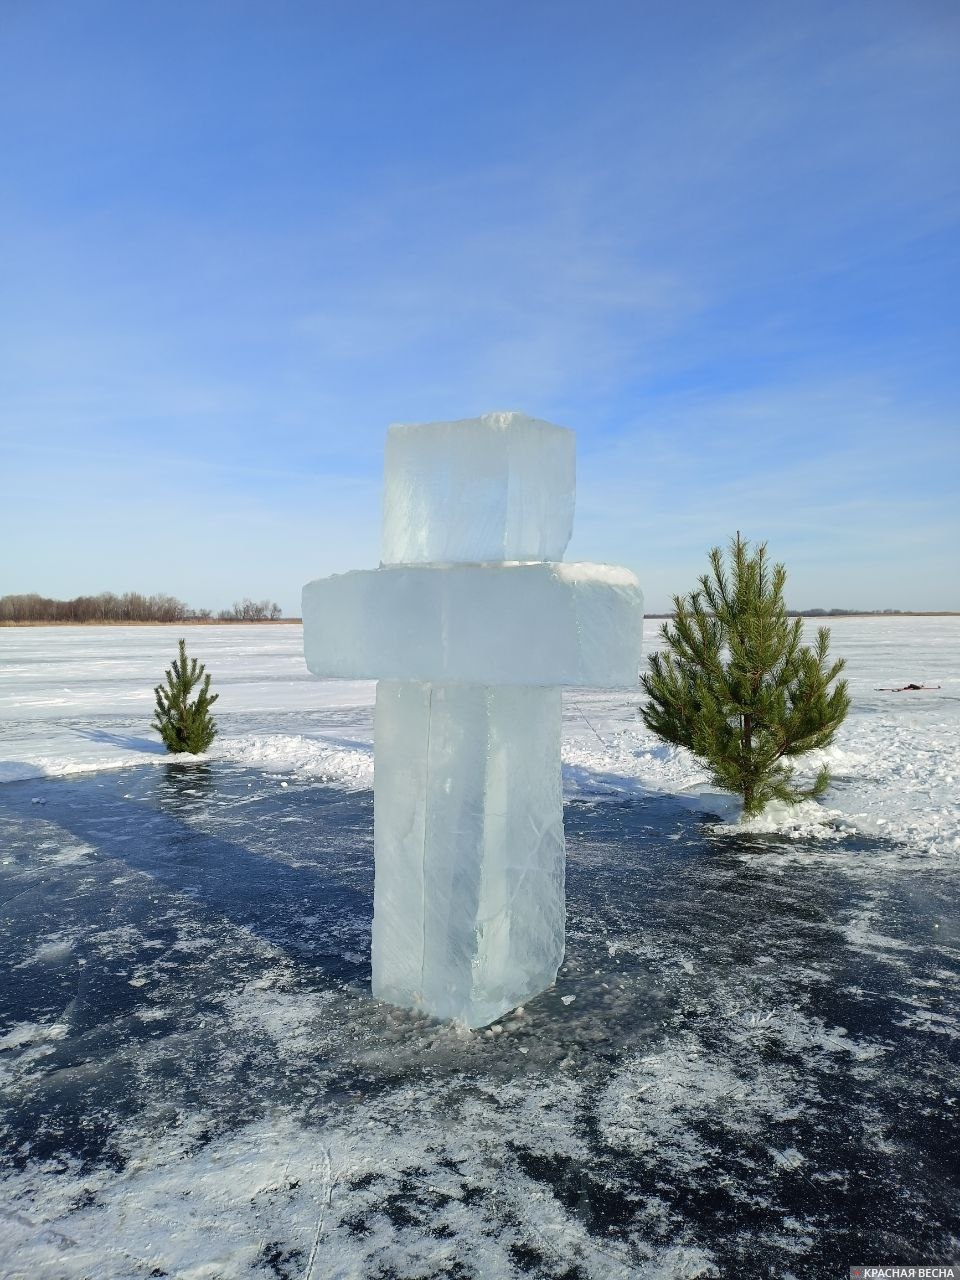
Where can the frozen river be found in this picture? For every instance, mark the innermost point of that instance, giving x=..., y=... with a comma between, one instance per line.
x=750, y=1064
x=76, y=699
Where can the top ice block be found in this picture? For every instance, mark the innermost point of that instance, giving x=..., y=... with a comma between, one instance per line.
x=499, y=487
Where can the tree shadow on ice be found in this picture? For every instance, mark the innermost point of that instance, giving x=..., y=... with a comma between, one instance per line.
x=145, y=953
x=304, y=853
x=128, y=741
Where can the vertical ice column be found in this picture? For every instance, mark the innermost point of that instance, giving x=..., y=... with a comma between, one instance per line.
x=468, y=809
x=468, y=829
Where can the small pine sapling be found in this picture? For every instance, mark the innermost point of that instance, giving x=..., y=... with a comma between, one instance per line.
x=185, y=725
x=736, y=686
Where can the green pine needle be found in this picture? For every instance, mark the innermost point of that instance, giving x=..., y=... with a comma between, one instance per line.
x=736, y=686
x=185, y=724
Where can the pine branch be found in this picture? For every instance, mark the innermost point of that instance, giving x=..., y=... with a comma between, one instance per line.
x=184, y=725
x=768, y=700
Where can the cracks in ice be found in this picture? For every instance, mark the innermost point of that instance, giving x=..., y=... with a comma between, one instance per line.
x=326, y=1200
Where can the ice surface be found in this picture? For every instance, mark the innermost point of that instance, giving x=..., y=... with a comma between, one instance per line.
x=78, y=699
x=527, y=624
x=188, y=1040
x=469, y=897
x=232, y=976
x=499, y=487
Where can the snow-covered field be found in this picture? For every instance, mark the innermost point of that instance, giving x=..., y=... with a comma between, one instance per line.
x=78, y=699
x=748, y=1066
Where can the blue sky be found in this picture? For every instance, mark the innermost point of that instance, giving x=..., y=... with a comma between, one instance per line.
x=237, y=240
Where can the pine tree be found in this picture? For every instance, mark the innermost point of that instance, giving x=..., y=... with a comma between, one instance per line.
x=184, y=725
x=736, y=686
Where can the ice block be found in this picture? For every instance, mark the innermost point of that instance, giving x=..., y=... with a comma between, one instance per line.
x=472, y=625
x=500, y=487
x=525, y=624
x=468, y=831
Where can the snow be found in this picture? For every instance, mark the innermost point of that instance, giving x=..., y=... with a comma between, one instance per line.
x=895, y=762
x=75, y=699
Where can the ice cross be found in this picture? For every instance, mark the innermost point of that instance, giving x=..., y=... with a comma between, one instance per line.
x=471, y=625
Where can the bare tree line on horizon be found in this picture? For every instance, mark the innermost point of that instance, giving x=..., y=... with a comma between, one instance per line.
x=131, y=606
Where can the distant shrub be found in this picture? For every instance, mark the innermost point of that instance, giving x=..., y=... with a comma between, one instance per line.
x=132, y=606
x=252, y=611
x=185, y=724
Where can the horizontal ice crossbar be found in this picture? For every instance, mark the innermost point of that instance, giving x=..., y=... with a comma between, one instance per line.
x=502, y=624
